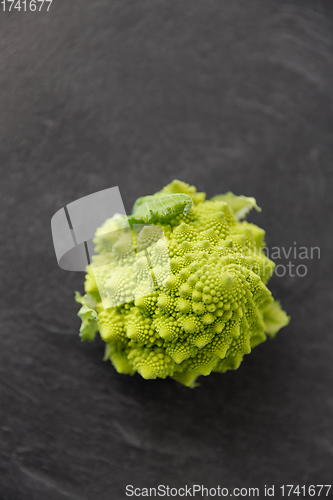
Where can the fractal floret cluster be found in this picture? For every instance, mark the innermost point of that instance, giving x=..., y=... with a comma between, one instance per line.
x=178, y=288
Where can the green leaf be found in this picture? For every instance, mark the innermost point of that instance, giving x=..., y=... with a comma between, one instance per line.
x=241, y=205
x=88, y=316
x=275, y=318
x=155, y=208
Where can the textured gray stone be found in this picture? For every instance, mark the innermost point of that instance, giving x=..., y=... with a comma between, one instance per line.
x=223, y=95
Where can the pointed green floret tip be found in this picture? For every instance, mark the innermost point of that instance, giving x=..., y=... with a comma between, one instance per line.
x=189, y=303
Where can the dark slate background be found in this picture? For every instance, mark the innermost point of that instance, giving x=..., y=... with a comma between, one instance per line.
x=226, y=96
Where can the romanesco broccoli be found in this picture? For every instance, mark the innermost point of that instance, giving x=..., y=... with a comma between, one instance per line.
x=195, y=304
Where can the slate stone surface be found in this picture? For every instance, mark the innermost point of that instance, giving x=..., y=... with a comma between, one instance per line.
x=226, y=96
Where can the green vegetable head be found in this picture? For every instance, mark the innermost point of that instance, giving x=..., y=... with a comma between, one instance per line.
x=185, y=295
